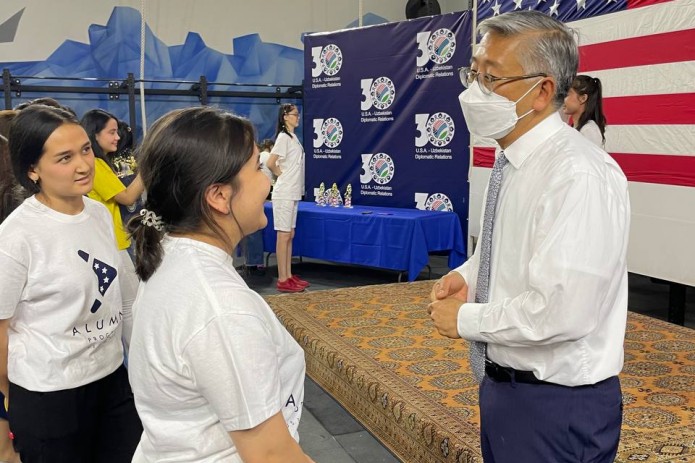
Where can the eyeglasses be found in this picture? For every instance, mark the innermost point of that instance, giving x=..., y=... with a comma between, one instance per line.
x=487, y=81
x=292, y=114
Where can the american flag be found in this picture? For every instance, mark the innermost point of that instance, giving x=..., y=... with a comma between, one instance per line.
x=644, y=53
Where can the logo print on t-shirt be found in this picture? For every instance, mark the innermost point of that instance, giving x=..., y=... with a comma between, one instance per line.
x=290, y=401
x=105, y=276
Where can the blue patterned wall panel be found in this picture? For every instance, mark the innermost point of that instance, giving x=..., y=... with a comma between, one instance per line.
x=114, y=50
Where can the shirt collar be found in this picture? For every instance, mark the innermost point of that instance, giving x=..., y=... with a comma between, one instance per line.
x=525, y=145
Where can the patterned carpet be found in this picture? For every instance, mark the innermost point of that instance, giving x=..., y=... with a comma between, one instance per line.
x=374, y=349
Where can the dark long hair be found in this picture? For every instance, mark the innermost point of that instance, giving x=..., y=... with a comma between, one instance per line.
x=94, y=122
x=125, y=135
x=185, y=152
x=284, y=110
x=28, y=134
x=11, y=194
x=593, y=108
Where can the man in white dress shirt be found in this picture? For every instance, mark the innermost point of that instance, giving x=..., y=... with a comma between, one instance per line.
x=552, y=307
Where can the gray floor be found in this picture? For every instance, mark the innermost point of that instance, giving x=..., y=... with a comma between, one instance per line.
x=328, y=433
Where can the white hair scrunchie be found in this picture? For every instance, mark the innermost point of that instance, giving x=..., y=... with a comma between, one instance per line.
x=150, y=219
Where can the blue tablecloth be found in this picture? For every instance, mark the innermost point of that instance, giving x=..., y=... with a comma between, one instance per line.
x=383, y=237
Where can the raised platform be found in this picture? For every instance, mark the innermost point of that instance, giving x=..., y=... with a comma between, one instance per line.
x=374, y=349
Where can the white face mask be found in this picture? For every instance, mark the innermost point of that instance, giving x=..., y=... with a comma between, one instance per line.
x=490, y=116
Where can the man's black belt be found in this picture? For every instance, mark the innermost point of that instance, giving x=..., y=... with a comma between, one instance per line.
x=507, y=375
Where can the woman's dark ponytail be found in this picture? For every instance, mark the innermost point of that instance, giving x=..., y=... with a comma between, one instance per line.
x=148, y=246
x=598, y=115
x=593, y=108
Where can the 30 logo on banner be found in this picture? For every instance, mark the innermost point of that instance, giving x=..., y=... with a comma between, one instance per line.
x=378, y=93
x=377, y=167
x=328, y=132
x=327, y=60
x=433, y=202
x=380, y=169
x=437, y=129
x=438, y=46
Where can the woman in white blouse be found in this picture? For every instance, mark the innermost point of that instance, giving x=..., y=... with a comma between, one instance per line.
x=286, y=161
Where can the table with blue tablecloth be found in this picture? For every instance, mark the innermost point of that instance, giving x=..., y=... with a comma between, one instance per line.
x=383, y=237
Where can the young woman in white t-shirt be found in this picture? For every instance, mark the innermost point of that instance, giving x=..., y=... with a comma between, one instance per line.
x=216, y=376
x=286, y=161
x=61, y=313
x=584, y=104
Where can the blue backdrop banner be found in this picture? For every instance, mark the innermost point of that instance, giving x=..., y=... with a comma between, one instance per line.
x=381, y=113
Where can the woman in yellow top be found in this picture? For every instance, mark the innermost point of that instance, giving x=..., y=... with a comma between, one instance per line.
x=102, y=129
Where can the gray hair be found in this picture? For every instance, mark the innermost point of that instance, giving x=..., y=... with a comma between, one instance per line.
x=550, y=46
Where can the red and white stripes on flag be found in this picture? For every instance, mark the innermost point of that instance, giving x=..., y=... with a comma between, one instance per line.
x=645, y=57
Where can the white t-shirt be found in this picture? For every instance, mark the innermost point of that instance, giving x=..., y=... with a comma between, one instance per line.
x=263, y=157
x=207, y=356
x=289, y=184
x=57, y=275
x=591, y=131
